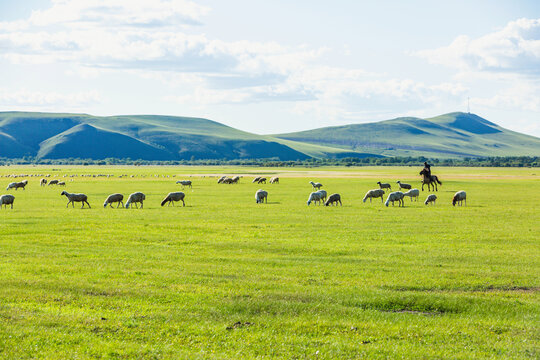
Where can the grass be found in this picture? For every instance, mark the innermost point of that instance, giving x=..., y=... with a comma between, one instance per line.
x=227, y=278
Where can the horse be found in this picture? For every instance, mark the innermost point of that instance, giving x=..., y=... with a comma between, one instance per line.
x=429, y=180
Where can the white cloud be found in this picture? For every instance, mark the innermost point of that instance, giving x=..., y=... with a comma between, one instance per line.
x=46, y=99
x=512, y=49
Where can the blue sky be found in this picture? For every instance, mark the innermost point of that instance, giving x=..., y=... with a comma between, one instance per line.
x=274, y=66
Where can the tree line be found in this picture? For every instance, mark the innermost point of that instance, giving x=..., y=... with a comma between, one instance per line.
x=495, y=161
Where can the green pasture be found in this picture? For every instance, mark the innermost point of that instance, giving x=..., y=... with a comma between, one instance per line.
x=226, y=278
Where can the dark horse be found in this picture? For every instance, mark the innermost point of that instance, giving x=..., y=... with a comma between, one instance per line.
x=429, y=180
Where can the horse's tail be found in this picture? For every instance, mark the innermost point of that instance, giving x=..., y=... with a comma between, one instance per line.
x=437, y=179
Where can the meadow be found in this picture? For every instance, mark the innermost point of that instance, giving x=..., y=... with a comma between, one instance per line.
x=226, y=278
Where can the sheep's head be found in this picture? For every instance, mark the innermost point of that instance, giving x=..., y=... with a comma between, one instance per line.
x=63, y=193
x=454, y=200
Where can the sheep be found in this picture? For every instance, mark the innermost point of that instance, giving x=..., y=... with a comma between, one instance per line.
x=53, y=182
x=395, y=196
x=316, y=197
x=375, y=193
x=43, y=182
x=75, y=198
x=274, y=180
x=316, y=185
x=16, y=185
x=220, y=180
x=185, y=183
x=413, y=193
x=235, y=179
x=403, y=185
x=172, y=197
x=323, y=194
x=136, y=197
x=384, y=185
x=262, y=181
x=227, y=181
x=256, y=180
x=334, y=198
x=114, y=198
x=61, y=183
x=6, y=200
x=431, y=198
x=459, y=197
x=261, y=196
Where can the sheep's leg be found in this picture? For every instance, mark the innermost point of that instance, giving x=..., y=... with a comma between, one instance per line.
x=183, y=203
x=87, y=203
x=142, y=204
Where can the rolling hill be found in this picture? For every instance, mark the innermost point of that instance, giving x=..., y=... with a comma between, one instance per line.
x=450, y=135
x=151, y=137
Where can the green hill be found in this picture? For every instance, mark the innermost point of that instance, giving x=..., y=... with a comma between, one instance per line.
x=152, y=137
x=450, y=135
x=145, y=137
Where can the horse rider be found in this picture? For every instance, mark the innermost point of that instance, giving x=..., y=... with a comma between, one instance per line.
x=427, y=167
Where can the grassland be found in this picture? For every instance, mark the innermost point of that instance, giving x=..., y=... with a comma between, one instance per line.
x=226, y=278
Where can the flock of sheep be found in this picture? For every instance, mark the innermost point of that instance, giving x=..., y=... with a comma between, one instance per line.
x=317, y=197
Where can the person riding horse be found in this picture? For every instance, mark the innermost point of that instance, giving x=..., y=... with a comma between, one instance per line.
x=428, y=179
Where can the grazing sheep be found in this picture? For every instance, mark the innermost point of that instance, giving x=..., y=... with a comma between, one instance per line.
x=43, y=182
x=262, y=181
x=61, y=183
x=227, y=181
x=220, y=180
x=274, y=180
x=73, y=198
x=404, y=186
x=459, y=197
x=395, y=196
x=136, y=197
x=7, y=200
x=174, y=196
x=333, y=199
x=16, y=185
x=185, y=183
x=256, y=180
x=375, y=193
x=261, y=196
x=384, y=185
x=114, y=198
x=235, y=179
x=316, y=185
x=413, y=193
x=53, y=182
x=323, y=194
x=316, y=197
x=431, y=199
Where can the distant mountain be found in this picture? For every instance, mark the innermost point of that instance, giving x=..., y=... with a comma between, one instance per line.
x=146, y=137
x=151, y=137
x=450, y=135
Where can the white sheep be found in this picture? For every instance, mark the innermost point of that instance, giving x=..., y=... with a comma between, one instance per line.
x=323, y=194
x=403, y=185
x=73, y=198
x=395, y=196
x=235, y=179
x=431, y=199
x=316, y=185
x=274, y=180
x=256, y=180
x=333, y=199
x=384, y=185
x=413, y=194
x=261, y=196
x=459, y=197
x=136, y=197
x=174, y=196
x=114, y=198
x=6, y=200
x=315, y=197
x=43, y=182
x=16, y=185
x=220, y=180
x=373, y=194
x=184, y=183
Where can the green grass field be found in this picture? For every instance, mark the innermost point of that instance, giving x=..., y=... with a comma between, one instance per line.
x=226, y=278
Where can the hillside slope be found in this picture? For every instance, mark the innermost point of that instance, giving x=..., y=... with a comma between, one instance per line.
x=144, y=137
x=450, y=135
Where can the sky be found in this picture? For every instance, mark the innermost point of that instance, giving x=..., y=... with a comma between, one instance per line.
x=274, y=66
